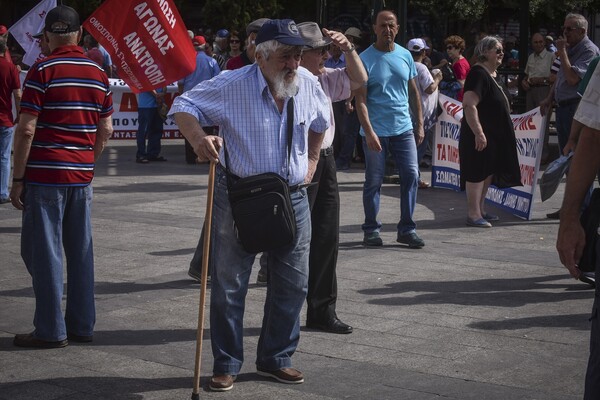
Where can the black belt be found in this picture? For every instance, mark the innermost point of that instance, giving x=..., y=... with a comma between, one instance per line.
x=568, y=102
x=299, y=186
x=327, y=152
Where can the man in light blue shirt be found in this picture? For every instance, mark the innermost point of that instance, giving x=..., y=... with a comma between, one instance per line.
x=249, y=106
x=383, y=110
x=206, y=67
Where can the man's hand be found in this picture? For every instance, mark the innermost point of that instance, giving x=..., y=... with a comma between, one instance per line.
x=373, y=142
x=16, y=195
x=570, y=243
x=545, y=106
x=419, y=135
x=208, y=148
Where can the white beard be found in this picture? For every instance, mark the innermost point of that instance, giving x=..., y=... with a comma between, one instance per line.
x=283, y=89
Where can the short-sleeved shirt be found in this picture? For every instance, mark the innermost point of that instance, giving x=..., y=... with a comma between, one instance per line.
x=387, y=89
x=238, y=61
x=461, y=69
x=538, y=65
x=580, y=57
x=253, y=129
x=587, y=112
x=68, y=93
x=428, y=101
x=336, y=85
x=9, y=81
x=206, y=68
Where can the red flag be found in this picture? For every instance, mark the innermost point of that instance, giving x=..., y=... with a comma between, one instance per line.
x=147, y=41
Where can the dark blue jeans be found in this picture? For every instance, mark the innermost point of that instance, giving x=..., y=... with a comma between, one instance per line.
x=150, y=127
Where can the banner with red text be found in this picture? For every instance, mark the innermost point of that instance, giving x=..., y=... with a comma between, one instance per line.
x=125, y=115
x=147, y=40
x=529, y=131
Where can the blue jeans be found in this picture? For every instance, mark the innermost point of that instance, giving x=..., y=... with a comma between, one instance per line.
x=6, y=140
x=286, y=289
x=150, y=126
x=404, y=150
x=564, y=119
x=57, y=218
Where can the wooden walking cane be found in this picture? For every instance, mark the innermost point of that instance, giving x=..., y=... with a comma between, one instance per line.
x=204, y=275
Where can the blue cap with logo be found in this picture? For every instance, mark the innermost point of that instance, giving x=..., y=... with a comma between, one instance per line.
x=284, y=31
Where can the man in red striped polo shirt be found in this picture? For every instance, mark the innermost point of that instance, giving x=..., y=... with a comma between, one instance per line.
x=64, y=124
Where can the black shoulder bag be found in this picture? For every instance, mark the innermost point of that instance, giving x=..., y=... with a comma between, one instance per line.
x=590, y=219
x=261, y=204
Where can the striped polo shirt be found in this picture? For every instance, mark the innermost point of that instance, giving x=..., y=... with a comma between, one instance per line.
x=69, y=93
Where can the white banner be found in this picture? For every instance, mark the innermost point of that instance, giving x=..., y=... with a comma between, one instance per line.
x=31, y=24
x=125, y=116
x=529, y=132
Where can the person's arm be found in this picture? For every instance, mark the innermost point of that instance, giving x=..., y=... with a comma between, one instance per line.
x=103, y=133
x=437, y=78
x=414, y=102
x=354, y=66
x=584, y=167
x=315, y=140
x=470, y=102
x=576, y=128
x=22, y=145
x=17, y=97
x=360, y=101
x=571, y=76
x=546, y=104
x=205, y=146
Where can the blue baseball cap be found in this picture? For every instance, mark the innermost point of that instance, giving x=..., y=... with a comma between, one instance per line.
x=284, y=31
x=222, y=33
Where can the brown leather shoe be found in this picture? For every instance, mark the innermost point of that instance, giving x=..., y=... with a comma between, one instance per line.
x=28, y=340
x=283, y=375
x=221, y=382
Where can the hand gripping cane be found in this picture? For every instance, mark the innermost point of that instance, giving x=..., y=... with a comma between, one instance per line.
x=204, y=274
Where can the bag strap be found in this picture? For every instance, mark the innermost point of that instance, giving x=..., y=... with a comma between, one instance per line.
x=290, y=131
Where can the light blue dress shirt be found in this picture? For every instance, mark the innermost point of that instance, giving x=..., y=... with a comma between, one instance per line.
x=254, y=130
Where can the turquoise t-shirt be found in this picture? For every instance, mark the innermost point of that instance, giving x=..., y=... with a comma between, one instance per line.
x=387, y=89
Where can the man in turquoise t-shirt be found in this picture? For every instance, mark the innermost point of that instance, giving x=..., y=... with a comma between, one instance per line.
x=383, y=110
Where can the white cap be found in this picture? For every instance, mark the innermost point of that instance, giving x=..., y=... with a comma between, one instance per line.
x=416, y=45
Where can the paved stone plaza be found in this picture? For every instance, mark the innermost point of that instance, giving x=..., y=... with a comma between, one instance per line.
x=475, y=314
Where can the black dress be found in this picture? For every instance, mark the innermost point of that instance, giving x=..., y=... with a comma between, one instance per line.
x=499, y=158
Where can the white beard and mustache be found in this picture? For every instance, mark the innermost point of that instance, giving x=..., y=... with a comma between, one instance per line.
x=282, y=88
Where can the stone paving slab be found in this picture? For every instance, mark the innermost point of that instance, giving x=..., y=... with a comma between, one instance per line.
x=476, y=314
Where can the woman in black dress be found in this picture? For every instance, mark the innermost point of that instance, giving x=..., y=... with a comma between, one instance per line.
x=487, y=145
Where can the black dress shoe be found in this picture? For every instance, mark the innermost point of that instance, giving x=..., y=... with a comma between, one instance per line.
x=28, y=340
x=79, y=338
x=332, y=326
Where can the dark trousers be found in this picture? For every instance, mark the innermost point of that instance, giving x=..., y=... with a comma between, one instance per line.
x=325, y=216
x=592, y=376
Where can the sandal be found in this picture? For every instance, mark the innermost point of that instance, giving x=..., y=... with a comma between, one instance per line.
x=423, y=184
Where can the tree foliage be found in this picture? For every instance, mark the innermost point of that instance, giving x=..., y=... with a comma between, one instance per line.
x=236, y=14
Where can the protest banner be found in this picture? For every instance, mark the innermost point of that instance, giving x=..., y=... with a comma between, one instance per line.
x=125, y=115
x=529, y=131
x=147, y=40
x=31, y=24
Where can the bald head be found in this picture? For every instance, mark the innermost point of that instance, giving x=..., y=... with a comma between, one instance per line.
x=538, y=43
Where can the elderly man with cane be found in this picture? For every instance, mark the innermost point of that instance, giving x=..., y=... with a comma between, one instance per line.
x=250, y=105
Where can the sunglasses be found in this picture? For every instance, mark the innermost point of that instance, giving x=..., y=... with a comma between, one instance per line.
x=234, y=41
x=322, y=50
x=450, y=47
x=499, y=51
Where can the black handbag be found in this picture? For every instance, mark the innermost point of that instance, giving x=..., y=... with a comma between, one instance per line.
x=590, y=220
x=261, y=205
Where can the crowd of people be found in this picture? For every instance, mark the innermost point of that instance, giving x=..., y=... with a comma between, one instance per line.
x=318, y=84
